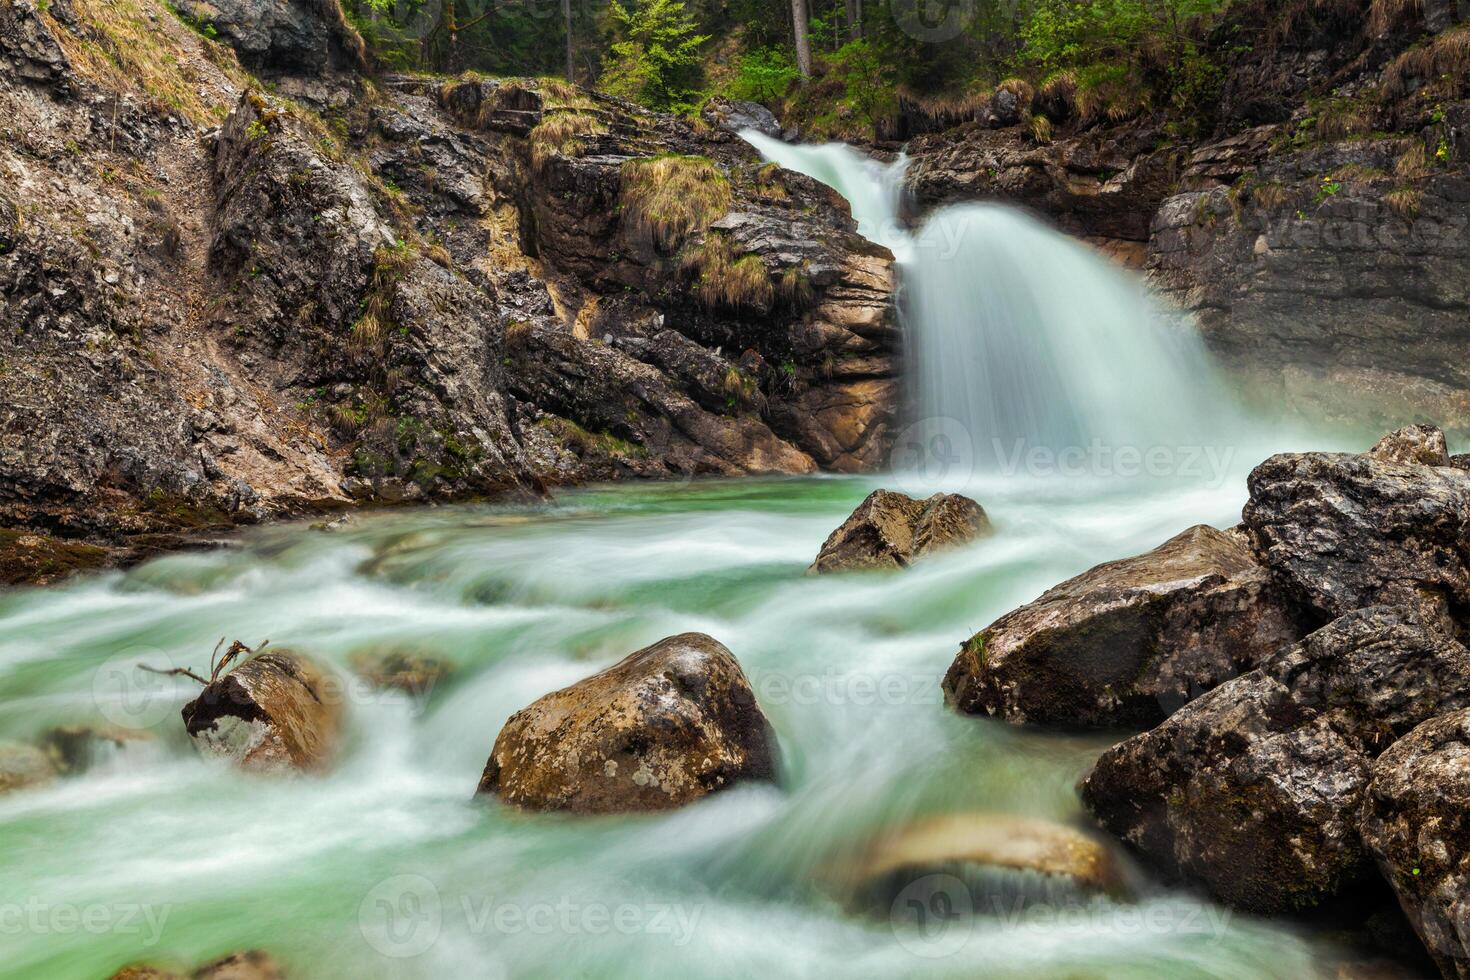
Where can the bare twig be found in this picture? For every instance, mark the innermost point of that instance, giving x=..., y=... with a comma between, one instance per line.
x=175, y=672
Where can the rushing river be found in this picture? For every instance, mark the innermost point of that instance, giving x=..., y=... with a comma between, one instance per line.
x=388, y=867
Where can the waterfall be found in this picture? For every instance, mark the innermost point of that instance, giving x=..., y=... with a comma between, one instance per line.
x=1019, y=339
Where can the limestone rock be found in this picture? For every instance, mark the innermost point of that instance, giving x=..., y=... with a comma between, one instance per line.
x=667, y=725
x=23, y=767
x=1128, y=642
x=1255, y=789
x=1416, y=825
x=891, y=530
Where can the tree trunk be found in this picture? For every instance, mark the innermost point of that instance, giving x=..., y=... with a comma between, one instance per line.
x=854, y=19
x=566, y=14
x=803, y=38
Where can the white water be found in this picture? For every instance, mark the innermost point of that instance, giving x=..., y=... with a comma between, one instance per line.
x=389, y=868
x=1021, y=339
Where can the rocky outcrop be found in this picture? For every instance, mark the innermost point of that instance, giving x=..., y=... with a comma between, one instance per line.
x=426, y=293
x=669, y=724
x=297, y=37
x=1342, y=531
x=276, y=712
x=1128, y=642
x=891, y=530
x=1254, y=790
x=1102, y=185
x=1415, y=825
x=74, y=749
x=1005, y=862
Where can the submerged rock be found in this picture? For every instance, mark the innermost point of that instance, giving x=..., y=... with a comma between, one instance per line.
x=401, y=670
x=1004, y=861
x=1128, y=642
x=251, y=964
x=1416, y=825
x=1254, y=790
x=76, y=748
x=891, y=530
x=1342, y=531
x=277, y=711
x=737, y=115
x=23, y=766
x=665, y=726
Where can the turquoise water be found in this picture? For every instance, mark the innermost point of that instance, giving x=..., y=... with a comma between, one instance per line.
x=387, y=867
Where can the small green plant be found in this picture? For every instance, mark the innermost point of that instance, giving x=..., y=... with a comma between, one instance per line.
x=1327, y=187
x=256, y=130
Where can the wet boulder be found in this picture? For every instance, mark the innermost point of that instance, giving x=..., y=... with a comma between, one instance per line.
x=1004, y=861
x=1342, y=531
x=1416, y=826
x=669, y=724
x=892, y=530
x=1254, y=790
x=278, y=711
x=23, y=767
x=1128, y=642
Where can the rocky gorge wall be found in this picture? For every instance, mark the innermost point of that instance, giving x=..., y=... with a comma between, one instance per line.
x=228, y=300
x=1319, y=232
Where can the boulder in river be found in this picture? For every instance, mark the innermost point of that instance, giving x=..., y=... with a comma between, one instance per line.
x=891, y=530
x=1003, y=861
x=277, y=711
x=1416, y=825
x=663, y=727
x=23, y=767
x=1254, y=790
x=1128, y=642
x=1342, y=531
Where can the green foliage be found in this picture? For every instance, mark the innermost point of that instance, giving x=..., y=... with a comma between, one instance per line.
x=762, y=75
x=656, y=59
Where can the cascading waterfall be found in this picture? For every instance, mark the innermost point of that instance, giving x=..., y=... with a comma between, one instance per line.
x=1019, y=337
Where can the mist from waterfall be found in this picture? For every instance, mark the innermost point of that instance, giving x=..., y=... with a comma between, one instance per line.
x=1019, y=339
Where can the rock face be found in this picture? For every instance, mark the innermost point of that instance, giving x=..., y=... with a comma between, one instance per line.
x=276, y=712
x=736, y=115
x=1255, y=789
x=1024, y=860
x=251, y=964
x=291, y=36
x=1128, y=642
x=1416, y=825
x=891, y=530
x=1345, y=531
x=441, y=290
x=669, y=724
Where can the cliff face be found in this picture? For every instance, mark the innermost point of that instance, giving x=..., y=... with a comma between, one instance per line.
x=1320, y=235
x=225, y=302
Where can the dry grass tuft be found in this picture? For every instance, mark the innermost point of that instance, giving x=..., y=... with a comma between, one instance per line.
x=1039, y=127
x=1385, y=15
x=390, y=262
x=562, y=134
x=1270, y=197
x=665, y=198
x=1405, y=202
x=726, y=281
x=1413, y=163
x=1344, y=118
x=1020, y=88
x=1448, y=55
